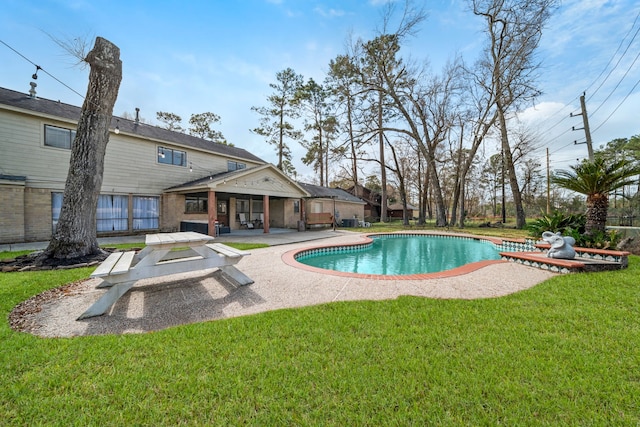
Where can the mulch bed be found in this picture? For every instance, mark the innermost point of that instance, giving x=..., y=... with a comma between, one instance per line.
x=29, y=262
x=21, y=317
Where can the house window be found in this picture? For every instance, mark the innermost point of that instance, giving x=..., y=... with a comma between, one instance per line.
x=146, y=212
x=296, y=206
x=242, y=206
x=257, y=208
x=195, y=203
x=58, y=137
x=113, y=213
x=232, y=166
x=56, y=205
x=169, y=156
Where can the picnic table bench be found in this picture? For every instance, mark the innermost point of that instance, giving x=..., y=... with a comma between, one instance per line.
x=164, y=254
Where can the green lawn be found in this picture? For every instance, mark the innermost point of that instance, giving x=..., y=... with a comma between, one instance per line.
x=566, y=352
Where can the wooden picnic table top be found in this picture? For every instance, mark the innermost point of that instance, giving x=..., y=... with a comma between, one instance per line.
x=176, y=238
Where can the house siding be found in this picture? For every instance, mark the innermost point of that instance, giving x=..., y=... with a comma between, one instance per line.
x=343, y=209
x=131, y=168
x=290, y=218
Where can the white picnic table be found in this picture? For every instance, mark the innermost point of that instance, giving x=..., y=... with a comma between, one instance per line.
x=164, y=254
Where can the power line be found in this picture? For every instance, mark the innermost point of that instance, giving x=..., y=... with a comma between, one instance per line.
x=613, y=56
x=616, y=109
x=542, y=123
x=43, y=70
x=618, y=84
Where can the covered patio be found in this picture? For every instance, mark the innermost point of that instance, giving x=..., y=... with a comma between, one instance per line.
x=263, y=196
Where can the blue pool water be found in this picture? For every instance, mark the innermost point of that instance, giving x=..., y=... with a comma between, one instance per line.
x=402, y=255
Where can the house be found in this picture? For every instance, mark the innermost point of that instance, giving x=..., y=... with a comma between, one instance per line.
x=372, y=200
x=396, y=210
x=342, y=205
x=154, y=179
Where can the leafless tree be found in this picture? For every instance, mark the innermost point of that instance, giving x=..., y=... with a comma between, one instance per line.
x=75, y=234
x=513, y=29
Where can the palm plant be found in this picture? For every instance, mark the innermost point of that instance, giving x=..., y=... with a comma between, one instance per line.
x=596, y=179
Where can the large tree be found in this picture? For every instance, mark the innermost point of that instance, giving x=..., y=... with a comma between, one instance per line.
x=282, y=107
x=344, y=83
x=200, y=126
x=75, y=234
x=513, y=29
x=171, y=121
x=314, y=100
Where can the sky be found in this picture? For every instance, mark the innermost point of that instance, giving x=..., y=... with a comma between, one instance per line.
x=220, y=56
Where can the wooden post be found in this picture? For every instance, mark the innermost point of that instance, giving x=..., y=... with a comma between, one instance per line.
x=212, y=210
x=265, y=224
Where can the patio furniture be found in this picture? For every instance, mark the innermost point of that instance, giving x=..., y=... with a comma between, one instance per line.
x=165, y=254
x=244, y=222
x=259, y=222
x=319, y=218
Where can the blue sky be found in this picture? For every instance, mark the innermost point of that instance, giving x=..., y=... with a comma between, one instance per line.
x=220, y=56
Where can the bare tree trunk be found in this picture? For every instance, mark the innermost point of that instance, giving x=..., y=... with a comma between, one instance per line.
x=354, y=160
x=383, y=171
x=75, y=235
x=459, y=182
x=511, y=171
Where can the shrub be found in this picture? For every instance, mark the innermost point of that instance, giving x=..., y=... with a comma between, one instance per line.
x=600, y=240
x=572, y=224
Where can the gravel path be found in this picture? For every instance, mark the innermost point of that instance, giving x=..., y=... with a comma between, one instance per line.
x=156, y=304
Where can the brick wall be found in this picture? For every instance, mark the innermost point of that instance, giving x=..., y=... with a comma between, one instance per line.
x=172, y=212
x=37, y=214
x=12, y=209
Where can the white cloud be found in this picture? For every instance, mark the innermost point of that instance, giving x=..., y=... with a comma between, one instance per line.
x=331, y=13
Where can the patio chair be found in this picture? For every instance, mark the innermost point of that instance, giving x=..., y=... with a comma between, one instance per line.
x=244, y=222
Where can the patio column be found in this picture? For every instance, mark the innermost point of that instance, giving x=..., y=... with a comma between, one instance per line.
x=265, y=224
x=212, y=208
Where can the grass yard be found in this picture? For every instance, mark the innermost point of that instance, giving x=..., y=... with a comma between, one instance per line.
x=566, y=352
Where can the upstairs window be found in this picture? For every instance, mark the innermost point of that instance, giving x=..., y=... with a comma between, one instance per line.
x=58, y=137
x=232, y=166
x=169, y=156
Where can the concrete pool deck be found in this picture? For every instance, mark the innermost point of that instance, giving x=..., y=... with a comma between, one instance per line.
x=156, y=304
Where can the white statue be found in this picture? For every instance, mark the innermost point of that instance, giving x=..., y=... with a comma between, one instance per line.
x=561, y=247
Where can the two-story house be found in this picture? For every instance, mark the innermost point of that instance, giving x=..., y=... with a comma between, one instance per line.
x=154, y=179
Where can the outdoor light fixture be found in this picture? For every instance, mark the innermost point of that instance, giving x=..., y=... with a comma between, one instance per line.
x=34, y=76
x=190, y=167
x=117, y=129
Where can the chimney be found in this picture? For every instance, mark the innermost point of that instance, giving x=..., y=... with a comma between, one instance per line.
x=137, y=115
x=32, y=91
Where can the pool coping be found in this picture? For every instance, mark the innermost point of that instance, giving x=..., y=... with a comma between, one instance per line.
x=289, y=258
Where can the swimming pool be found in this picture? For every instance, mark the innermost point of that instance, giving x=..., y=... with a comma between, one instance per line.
x=400, y=255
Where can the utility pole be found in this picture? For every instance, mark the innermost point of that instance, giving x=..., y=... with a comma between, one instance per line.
x=548, y=184
x=504, y=199
x=585, y=122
